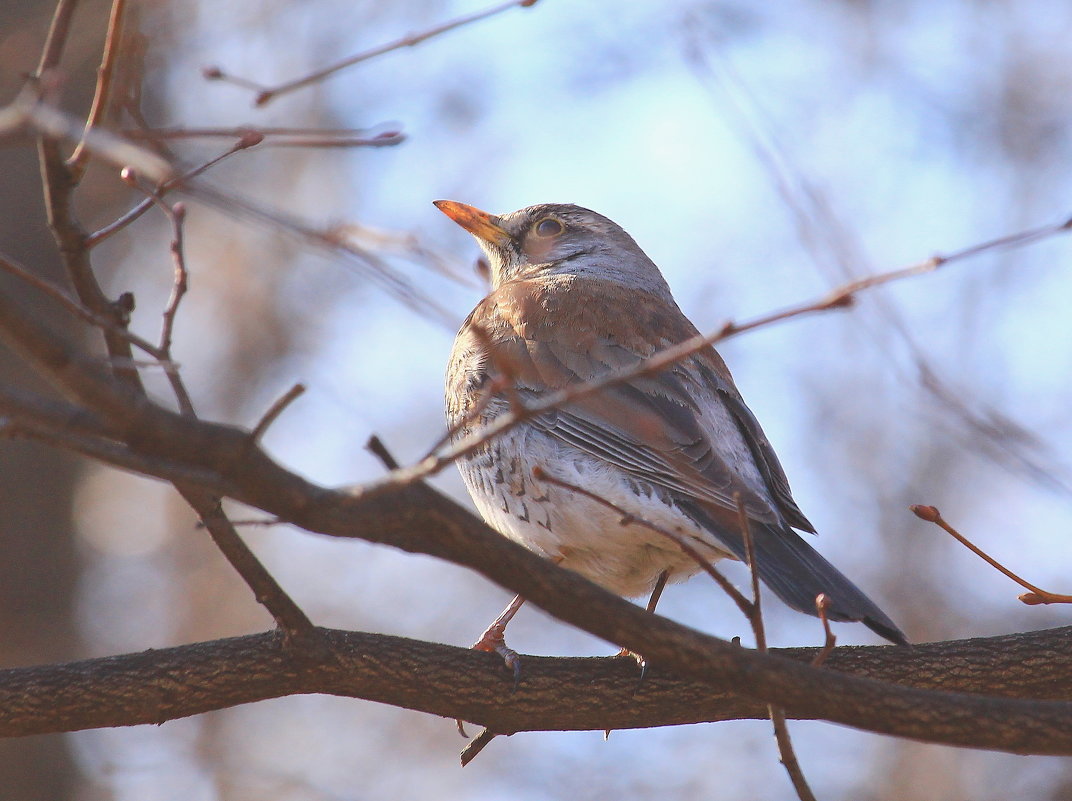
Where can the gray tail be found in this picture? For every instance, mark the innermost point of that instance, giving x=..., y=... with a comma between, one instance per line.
x=797, y=573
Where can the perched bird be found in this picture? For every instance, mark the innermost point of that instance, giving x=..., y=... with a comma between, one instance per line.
x=574, y=299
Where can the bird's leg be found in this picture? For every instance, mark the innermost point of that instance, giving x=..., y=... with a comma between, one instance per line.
x=653, y=600
x=657, y=593
x=493, y=639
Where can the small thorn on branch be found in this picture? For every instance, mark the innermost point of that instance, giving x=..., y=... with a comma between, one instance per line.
x=376, y=447
x=275, y=410
x=477, y=745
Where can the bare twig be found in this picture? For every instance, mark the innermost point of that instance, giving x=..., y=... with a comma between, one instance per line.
x=786, y=754
x=102, y=92
x=12, y=267
x=246, y=141
x=177, y=216
x=1034, y=597
x=57, y=36
x=300, y=632
x=267, y=94
x=258, y=522
x=55, y=125
x=276, y=409
x=408, y=246
x=481, y=404
x=181, y=282
x=362, y=260
x=379, y=450
x=58, y=186
x=29, y=109
x=822, y=603
x=755, y=616
x=278, y=136
x=476, y=745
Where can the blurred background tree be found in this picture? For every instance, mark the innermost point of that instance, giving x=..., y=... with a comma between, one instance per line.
x=760, y=155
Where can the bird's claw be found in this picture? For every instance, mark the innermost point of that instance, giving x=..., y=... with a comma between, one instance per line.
x=493, y=641
x=642, y=663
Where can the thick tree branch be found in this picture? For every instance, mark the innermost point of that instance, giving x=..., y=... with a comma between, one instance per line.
x=555, y=693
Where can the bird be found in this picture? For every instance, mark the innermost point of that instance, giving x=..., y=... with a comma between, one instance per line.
x=599, y=482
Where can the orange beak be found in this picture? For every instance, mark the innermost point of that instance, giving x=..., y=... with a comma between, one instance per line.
x=479, y=223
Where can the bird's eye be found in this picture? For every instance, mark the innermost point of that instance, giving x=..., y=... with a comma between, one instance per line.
x=548, y=226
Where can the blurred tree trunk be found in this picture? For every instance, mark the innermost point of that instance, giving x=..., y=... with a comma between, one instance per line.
x=38, y=572
x=39, y=568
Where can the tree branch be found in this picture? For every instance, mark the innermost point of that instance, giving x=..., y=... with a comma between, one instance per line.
x=555, y=693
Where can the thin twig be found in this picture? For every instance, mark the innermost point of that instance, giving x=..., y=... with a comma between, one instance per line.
x=181, y=281
x=278, y=136
x=830, y=242
x=376, y=447
x=57, y=36
x=55, y=124
x=786, y=754
x=368, y=264
x=483, y=401
x=252, y=522
x=755, y=617
x=177, y=216
x=822, y=603
x=1033, y=598
x=266, y=94
x=476, y=745
x=246, y=141
x=12, y=267
x=276, y=409
x=300, y=632
x=103, y=90
x=58, y=187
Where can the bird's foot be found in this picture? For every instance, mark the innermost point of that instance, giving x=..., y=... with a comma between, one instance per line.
x=642, y=663
x=494, y=641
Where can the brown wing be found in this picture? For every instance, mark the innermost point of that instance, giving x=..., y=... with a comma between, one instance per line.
x=685, y=429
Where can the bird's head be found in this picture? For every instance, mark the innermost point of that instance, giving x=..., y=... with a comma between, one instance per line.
x=557, y=239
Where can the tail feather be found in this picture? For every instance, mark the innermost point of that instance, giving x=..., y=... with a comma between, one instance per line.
x=797, y=573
